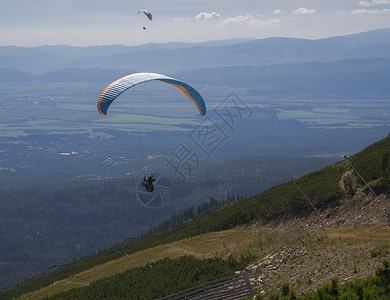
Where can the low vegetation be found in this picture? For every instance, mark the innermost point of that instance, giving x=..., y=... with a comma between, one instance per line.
x=374, y=287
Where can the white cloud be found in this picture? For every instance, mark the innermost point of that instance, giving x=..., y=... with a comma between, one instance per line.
x=251, y=21
x=181, y=19
x=377, y=2
x=366, y=3
x=277, y=12
x=365, y=11
x=304, y=11
x=207, y=16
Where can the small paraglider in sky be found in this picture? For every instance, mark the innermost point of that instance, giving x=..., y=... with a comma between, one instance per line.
x=147, y=13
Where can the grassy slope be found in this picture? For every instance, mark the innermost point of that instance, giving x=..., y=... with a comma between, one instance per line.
x=216, y=244
x=322, y=187
x=373, y=164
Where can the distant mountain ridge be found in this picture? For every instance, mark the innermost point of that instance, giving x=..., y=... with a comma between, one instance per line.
x=346, y=78
x=175, y=57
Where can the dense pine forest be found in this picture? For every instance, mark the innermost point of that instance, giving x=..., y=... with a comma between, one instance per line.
x=52, y=225
x=156, y=279
x=193, y=213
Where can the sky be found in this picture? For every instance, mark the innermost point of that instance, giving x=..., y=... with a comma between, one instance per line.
x=31, y=23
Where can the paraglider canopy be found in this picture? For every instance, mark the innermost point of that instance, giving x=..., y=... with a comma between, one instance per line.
x=114, y=89
x=147, y=13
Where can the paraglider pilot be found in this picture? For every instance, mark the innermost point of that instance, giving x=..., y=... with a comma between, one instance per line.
x=148, y=183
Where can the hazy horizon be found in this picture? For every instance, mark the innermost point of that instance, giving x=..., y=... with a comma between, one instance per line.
x=87, y=23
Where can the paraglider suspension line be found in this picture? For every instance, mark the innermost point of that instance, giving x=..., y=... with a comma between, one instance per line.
x=311, y=204
x=304, y=195
x=360, y=176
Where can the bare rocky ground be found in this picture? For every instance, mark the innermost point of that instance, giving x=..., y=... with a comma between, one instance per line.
x=345, y=242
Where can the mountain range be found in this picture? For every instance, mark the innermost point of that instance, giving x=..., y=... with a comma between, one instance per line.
x=174, y=57
x=355, y=65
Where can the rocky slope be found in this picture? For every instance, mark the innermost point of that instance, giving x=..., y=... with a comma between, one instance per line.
x=348, y=241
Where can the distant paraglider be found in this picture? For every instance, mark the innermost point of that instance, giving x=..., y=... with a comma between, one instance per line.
x=148, y=183
x=147, y=13
x=114, y=89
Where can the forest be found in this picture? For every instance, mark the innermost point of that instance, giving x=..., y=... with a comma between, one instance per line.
x=52, y=224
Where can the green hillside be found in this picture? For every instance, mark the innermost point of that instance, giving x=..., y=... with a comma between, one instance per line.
x=373, y=164
x=323, y=187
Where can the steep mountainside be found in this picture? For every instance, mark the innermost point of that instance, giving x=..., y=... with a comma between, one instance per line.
x=281, y=237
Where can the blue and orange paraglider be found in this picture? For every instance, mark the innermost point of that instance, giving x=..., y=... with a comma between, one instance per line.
x=146, y=13
x=114, y=89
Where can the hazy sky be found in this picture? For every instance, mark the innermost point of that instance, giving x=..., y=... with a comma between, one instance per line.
x=105, y=22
